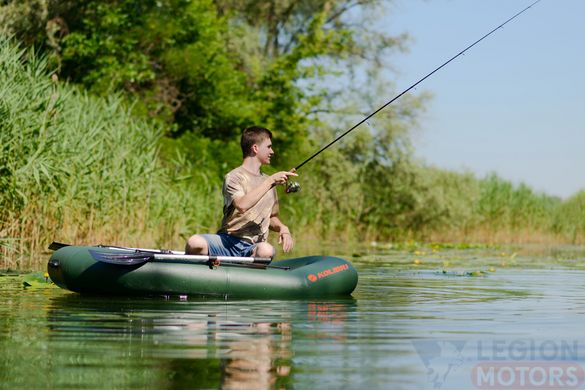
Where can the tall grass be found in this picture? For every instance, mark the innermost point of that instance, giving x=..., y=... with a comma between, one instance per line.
x=499, y=211
x=74, y=167
x=569, y=218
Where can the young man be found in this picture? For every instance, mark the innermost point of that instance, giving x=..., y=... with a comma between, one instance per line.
x=250, y=205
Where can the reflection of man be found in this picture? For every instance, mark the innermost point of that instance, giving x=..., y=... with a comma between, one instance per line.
x=251, y=363
x=251, y=355
x=250, y=205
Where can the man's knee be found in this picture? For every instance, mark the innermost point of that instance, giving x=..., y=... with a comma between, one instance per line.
x=264, y=249
x=196, y=245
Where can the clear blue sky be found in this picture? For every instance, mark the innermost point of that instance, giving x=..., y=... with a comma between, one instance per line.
x=515, y=103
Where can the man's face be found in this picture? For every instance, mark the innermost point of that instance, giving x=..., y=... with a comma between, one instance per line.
x=264, y=152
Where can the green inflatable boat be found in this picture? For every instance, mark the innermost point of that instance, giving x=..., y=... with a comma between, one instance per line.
x=134, y=271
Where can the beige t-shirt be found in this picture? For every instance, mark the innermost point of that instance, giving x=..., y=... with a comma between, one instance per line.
x=253, y=224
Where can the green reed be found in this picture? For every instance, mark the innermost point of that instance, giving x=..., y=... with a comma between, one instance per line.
x=77, y=168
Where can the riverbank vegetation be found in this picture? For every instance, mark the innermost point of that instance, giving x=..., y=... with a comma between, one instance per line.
x=120, y=123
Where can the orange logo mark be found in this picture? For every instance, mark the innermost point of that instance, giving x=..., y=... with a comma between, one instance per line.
x=328, y=272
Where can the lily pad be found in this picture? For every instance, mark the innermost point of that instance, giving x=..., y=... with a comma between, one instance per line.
x=37, y=279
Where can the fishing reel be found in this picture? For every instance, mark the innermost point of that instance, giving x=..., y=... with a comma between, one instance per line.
x=292, y=186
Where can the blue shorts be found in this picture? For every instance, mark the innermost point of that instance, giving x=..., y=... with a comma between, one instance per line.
x=225, y=245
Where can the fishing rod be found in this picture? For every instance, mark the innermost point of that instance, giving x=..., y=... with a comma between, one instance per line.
x=295, y=187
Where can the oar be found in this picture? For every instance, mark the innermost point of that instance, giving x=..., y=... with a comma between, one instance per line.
x=58, y=245
x=143, y=255
x=138, y=257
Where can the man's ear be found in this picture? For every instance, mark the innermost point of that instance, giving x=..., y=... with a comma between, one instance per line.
x=255, y=149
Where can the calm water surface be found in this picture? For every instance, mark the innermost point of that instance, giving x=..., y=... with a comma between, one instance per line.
x=416, y=320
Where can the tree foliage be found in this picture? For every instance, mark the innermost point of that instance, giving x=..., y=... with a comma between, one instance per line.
x=200, y=66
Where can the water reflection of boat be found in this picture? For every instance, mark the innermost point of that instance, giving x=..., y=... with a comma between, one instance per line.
x=244, y=344
x=335, y=313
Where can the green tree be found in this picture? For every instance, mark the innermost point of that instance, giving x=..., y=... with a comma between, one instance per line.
x=206, y=67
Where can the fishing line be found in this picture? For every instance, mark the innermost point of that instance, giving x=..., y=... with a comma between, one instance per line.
x=294, y=187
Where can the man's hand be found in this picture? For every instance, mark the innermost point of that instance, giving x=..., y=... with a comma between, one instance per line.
x=286, y=240
x=281, y=177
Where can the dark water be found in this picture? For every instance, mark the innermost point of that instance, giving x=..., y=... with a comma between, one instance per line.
x=456, y=319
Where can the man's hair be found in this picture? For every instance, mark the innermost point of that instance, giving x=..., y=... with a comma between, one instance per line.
x=253, y=135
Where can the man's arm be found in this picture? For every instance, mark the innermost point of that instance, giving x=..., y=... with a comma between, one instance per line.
x=245, y=202
x=284, y=236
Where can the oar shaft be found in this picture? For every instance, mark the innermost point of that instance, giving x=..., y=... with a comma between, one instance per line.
x=235, y=259
x=176, y=255
x=123, y=248
x=156, y=254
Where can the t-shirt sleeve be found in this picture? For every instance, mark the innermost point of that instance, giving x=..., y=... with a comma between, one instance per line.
x=233, y=187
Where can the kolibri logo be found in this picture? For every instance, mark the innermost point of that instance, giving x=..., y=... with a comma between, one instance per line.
x=327, y=272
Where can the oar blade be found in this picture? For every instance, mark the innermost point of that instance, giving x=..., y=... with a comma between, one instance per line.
x=122, y=258
x=57, y=245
